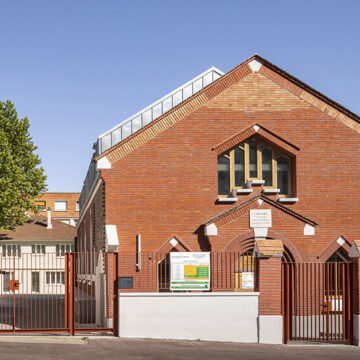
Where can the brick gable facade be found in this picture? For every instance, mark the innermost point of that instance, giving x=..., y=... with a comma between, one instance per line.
x=169, y=184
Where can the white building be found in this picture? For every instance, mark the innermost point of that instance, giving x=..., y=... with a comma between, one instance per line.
x=33, y=257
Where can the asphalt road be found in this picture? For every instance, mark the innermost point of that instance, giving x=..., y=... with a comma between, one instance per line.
x=112, y=348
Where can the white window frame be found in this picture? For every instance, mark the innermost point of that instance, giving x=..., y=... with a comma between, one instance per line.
x=49, y=278
x=11, y=253
x=38, y=249
x=61, y=249
x=58, y=202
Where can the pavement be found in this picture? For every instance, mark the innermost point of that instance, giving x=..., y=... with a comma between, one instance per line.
x=108, y=348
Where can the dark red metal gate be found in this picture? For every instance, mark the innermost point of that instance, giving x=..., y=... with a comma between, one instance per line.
x=316, y=302
x=57, y=292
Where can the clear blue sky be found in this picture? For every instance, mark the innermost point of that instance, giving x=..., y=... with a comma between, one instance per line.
x=77, y=68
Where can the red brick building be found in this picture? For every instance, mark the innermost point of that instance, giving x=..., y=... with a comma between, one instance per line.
x=255, y=138
x=64, y=206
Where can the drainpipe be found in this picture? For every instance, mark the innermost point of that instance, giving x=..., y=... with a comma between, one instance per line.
x=49, y=225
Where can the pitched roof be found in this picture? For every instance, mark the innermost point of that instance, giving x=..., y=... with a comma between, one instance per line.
x=254, y=64
x=36, y=229
x=233, y=212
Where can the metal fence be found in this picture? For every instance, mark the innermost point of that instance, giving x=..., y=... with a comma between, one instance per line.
x=151, y=271
x=57, y=292
x=317, y=302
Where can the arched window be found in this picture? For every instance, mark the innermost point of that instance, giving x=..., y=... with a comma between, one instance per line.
x=254, y=159
x=164, y=273
x=334, y=273
x=244, y=265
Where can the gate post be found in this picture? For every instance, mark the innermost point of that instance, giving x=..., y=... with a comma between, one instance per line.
x=354, y=253
x=269, y=253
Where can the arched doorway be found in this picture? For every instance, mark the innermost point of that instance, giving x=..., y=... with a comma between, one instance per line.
x=316, y=300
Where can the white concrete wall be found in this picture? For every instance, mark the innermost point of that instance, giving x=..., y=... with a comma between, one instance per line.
x=356, y=319
x=270, y=329
x=190, y=316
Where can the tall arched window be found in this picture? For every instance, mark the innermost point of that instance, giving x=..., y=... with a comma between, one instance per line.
x=254, y=159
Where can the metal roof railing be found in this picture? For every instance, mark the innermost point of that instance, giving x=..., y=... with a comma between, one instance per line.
x=142, y=118
x=134, y=123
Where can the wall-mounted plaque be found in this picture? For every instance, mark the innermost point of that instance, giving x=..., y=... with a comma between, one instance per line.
x=260, y=218
x=125, y=282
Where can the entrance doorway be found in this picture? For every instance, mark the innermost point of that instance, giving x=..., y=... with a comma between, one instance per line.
x=316, y=302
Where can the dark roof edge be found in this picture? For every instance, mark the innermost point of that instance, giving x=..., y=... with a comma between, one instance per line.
x=308, y=88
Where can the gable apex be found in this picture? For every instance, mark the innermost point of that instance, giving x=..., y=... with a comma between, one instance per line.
x=256, y=129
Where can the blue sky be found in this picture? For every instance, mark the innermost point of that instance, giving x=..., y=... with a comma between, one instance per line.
x=77, y=68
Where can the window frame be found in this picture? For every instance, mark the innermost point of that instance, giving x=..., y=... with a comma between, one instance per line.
x=52, y=277
x=41, y=205
x=61, y=201
x=11, y=253
x=230, y=154
x=38, y=248
x=68, y=248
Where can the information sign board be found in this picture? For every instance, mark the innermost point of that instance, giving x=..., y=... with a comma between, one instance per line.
x=189, y=271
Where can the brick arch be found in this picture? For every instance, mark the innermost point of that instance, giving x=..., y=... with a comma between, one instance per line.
x=168, y=246
x=242, y=242
x=292, y=249
x=334, y=246
x=246, y=240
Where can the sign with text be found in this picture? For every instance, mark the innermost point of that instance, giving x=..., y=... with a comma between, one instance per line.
x=247, y=280
x=190, y=271
x=260, y=218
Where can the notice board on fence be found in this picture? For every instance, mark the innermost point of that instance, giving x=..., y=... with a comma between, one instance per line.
x=190, y=271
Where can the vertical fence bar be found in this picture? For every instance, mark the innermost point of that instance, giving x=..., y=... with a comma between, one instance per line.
x=14, y=304
x=343, y=293
x=284, y=294
x=116, y=296
x=66, y=289
x=311, y=301
x=327, y=270
x=296, y=303
x=288, y=301
x=349, y=303
x=71, y=304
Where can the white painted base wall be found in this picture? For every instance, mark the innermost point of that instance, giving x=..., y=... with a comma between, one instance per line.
x=270, y=329
x=356, y=330
x=190, y=316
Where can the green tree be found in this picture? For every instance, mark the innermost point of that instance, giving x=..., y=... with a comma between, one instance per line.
x=21, y=176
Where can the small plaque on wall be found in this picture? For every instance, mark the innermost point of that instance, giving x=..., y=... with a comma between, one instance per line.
x=125, y=282
x=260, y=218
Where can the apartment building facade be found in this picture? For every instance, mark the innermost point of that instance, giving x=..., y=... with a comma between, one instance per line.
x=34, y=256
x=64, y=206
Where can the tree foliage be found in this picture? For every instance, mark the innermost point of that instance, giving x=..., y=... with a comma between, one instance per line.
x=21, y=176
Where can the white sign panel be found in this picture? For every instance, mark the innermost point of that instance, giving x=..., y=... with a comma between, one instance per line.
x=247, y=280
x=260, y=218
x=189, y=271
